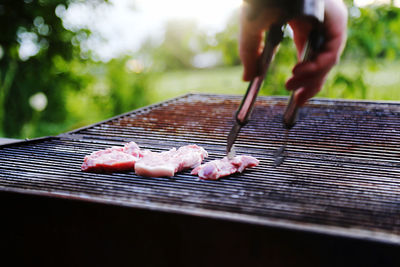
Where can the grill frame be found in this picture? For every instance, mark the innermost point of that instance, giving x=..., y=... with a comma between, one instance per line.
x=76, y=136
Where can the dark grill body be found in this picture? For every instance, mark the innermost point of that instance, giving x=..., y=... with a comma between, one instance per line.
x=337, y=192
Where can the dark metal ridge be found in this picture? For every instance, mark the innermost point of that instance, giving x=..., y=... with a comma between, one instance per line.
x=334, y=231
x=29, y=141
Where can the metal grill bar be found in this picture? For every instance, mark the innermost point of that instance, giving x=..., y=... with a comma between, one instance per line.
x=342, y=169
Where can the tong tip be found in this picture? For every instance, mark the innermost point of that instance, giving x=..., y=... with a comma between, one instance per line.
x=288, y=124
x=233, y=134
x=291, y=113
x=231, y=154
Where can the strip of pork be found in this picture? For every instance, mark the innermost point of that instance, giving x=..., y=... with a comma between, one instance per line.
x=113, y=159
x=216, y=169
x=166, y=164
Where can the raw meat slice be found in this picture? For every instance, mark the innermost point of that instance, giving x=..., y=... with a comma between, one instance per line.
x=156, y=164
x=223, y=167
x=189, y=156
x=166, y=164
x=113, y=159
x=133, y=149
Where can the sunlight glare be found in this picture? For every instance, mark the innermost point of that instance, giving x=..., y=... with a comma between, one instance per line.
x=363, y=3
x=209, y=13
x=125, y=24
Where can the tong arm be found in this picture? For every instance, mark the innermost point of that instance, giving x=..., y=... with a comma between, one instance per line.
x=313, y=45
x=272, y=40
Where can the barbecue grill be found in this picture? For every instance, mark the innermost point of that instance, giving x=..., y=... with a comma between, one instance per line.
x=339, y=186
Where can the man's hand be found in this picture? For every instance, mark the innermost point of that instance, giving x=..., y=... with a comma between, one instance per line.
x=308, y=77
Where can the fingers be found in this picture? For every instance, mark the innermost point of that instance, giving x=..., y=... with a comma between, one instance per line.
x=322, y=63
x=325, y=59
x=310, y=76
x=310, y=89
x=251, y=36
x=301, y=30
x=250, y=41
x=305, y=71
x=249, y=51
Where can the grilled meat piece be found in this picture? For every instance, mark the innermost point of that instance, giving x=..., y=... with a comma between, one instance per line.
x=144, y=162
x=113, y=159
x=166, y=164
x=216, y=169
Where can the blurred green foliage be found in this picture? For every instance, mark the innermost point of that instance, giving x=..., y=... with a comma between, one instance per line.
x=77, y=90
x=179, y=46
x=80, y=90
x=21, y=76
x=373, y=44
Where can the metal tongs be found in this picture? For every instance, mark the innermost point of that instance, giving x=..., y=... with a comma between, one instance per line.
x=272, y=40
x=274, y=37
x=313, y=45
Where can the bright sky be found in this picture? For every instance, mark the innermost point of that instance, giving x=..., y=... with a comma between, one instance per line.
x=126, y=23
x=361, y=3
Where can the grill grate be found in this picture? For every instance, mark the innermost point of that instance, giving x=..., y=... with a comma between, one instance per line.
x=341, y=174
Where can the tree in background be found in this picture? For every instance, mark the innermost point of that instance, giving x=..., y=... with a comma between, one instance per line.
x=181, y=40
x=373, y=43
x=48, y=84
x=33, y=40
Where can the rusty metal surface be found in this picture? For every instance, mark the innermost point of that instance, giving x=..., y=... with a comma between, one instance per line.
x=341, y=173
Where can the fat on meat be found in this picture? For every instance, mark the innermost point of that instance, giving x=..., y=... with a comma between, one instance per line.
x=166, y=164
x=113, y=159
x=216, y=169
